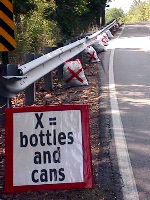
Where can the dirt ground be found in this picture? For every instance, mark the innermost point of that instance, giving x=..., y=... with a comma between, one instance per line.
x=75, y=95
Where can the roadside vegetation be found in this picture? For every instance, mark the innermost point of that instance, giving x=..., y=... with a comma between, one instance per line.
x=33, y=32
x=115, y=13
x=41, y=23
x=139, y=11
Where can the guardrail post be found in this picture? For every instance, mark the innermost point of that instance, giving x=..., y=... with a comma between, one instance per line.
x=48, y=78
x=80, y=56
x=5, y=70
x=60, y=67
x=30, y=90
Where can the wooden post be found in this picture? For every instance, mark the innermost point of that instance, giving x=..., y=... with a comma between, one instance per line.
x=30, y=90
x=48, y=78
x=5, y=102
x=60, y=67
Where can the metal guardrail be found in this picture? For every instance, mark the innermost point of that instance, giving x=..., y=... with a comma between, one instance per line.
x=34, y=70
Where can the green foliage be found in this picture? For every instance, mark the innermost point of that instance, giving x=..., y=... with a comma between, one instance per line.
x=139, y=11
x=44, y=22
x=115, y=13
x=68, y=14
x=24, y=6
x=33, y=32
x=74, y=16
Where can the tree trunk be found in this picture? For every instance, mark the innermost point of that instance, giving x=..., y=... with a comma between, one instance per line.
x=103, y=17
x=98, y=22
x=18, y=23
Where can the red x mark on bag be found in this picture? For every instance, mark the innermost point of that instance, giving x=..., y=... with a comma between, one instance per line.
x=74, y=74
x=92, y=56
x=104, y=38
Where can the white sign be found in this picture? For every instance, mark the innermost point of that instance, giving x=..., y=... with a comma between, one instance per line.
x=47, y=146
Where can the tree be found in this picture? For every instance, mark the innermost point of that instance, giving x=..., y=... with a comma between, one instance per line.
x=68, y=14
x=74, y=16
x=32, y=32
x=139, y=11
x=22, y=7
x=115, y=13
x=136, y=2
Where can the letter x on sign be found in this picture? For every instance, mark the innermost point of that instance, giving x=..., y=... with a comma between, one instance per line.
x=39, y=122
x=74, y=74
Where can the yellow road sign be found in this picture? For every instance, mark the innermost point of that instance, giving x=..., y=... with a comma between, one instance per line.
x=7, y=39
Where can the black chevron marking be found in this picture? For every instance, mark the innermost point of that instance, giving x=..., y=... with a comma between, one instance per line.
x=6, y=43
x=7, y=28
x=5, y=10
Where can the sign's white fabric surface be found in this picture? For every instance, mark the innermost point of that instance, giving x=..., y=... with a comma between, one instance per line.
x=70, y=155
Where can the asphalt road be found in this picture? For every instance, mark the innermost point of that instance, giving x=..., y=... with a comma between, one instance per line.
x=129, y=84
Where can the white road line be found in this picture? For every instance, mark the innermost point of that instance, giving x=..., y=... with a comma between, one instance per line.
x=129, y=186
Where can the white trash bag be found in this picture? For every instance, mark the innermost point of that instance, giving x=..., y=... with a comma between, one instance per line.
x=98, y=46
x=109, y=34
x=104, y=39
x=73, y=74
x=90, y=55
